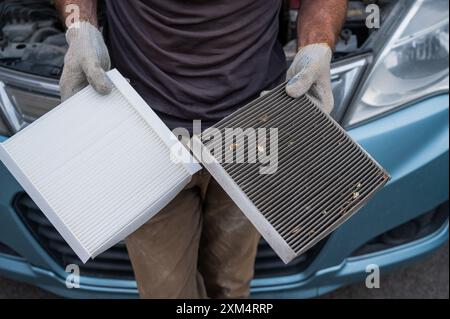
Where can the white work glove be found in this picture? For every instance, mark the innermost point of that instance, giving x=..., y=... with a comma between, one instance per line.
x=310, y=74
x=85, y=62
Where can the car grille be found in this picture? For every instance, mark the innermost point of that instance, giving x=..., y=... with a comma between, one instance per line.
x=115, y=263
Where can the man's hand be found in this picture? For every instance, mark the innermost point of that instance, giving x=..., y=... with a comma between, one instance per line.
x=85, y=62
x=87, y=58
x=318, y=26
x=310, y=74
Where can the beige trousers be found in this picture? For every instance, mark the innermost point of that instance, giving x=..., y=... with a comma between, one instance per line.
x=199, y=246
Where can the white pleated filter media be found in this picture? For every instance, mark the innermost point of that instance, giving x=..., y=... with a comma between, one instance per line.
x=99, y=166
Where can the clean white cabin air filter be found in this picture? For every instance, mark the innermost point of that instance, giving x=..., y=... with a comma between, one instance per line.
x=99, y=166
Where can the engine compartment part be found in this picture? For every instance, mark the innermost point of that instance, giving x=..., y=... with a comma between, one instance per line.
x=353, y=35
x=31, y=37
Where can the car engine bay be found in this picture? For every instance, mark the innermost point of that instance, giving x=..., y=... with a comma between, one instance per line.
x=32, y=37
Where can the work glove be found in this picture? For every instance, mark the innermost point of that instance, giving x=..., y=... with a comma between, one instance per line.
x=85, y=62
x=310, y=74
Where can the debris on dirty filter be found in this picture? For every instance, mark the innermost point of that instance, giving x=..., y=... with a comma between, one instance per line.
x=296, y=230
x=264, y=118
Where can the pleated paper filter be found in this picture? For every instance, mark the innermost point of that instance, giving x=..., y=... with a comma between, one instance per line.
x=321, y=178
x=99, y=166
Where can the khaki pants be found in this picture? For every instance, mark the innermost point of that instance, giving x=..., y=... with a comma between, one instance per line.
x=199, y=246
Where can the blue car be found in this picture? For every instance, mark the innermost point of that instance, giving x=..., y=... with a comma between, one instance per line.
x=391, y=84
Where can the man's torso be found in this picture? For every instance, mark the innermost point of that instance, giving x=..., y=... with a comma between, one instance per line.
x=196, y=59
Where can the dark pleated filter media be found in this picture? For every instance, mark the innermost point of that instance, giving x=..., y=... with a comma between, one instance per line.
x=292, y=170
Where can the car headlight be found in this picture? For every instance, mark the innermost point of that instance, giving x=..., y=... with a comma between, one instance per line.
x=412, y=65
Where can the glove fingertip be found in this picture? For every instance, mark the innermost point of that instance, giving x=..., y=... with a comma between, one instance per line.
x=263, y=93
x=294, y=91
x=105, y=87
x=102, y=84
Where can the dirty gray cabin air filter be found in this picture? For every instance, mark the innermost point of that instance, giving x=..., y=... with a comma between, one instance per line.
x=291, y=169
x=99, y=166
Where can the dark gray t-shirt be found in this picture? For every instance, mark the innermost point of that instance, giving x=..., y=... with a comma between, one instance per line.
x=196, y=59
